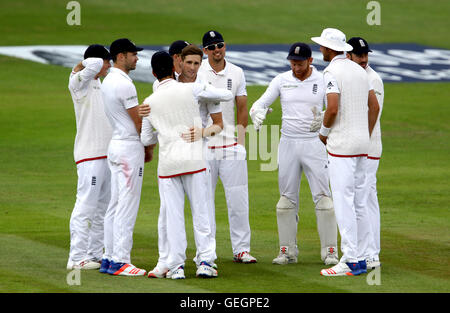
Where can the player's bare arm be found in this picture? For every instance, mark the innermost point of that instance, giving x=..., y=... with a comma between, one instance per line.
x=137, y=120
x=196, y=133
x=374, y=110
x=330, y=116
x=149, y=153
x=78, y=67
x=242, y=118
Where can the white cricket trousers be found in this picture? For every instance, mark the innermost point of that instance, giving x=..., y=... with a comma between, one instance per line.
x=307, y=155
x=373, y=206
x=230, y=165
x=86, y=221
x=172, y=194
x=126, y=161
x=348, y=187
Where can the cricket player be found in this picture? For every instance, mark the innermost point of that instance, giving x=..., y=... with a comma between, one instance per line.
x=360, y=55
x=227, y=153
x=90, y=149
x=300, y=90
x=126, y=156
x=191, y=58
x=175, y=52
x=182, y=166
x=349, y=119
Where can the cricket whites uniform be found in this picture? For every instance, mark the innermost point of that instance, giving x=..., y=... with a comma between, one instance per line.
x=375, y=150
x=182, y=169
x=207, y=106
x=126, y=161
x=348, y=146
x=300, y=150
x=227, y=159
x=90, y=149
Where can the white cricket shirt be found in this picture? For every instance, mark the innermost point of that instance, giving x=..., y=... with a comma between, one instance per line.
x=375, y=147
x=231, y=78
x=174, y=110
x=349, y=135
x=93, y=128
x=297, y=99
x=119, y=94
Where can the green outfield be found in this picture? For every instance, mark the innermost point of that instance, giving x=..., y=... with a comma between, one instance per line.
x=38, y=175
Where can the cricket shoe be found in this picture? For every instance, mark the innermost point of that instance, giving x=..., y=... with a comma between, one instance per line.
x=342, y=269
x=125, y=269
x=177, y=273
x=158, y=272
x=206, y=271
x=331, y=257
x=104, y=266
x=372, y=264
x=362, y=266
x=83, y=265
x=244, y=257
x=284, y=258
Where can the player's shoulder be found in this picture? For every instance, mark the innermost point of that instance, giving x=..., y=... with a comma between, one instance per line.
x=373, y=75
x=233, y=67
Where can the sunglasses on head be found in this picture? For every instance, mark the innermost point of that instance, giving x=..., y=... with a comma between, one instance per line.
x=212, y=47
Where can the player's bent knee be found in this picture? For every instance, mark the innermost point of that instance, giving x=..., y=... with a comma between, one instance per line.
x=284, y=204
x=325, y=203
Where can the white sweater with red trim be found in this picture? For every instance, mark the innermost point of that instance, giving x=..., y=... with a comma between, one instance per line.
x=174, y=110
x=93, y=129
x=376, y=147
x=349, y=135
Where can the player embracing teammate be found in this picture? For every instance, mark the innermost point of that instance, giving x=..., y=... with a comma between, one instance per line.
x=338, y=149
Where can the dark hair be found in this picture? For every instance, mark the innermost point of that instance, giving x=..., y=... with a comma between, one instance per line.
x=191, y=50
x=162, y=64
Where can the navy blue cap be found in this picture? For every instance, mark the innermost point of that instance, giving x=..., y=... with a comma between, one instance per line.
x=299, y=51
x=123, y=45
x=97, y=51
x=211, y=37
x=359, y=45
x=177, y=46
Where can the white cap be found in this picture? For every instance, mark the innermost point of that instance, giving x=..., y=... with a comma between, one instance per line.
x=334, y=39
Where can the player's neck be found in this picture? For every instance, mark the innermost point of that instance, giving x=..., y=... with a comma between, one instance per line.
x=122, y=68
x=183, y=79
x=217, y=66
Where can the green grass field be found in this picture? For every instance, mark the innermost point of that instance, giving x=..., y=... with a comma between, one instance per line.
x=38, y=175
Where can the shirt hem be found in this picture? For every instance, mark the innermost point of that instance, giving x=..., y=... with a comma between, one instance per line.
x=181, y=174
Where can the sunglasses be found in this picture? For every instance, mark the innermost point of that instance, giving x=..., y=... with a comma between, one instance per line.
x=212, y=47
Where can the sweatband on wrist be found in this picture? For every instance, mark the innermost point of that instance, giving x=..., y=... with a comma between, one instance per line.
x=324, y=131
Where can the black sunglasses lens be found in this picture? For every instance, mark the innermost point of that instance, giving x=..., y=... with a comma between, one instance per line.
x=212, y=47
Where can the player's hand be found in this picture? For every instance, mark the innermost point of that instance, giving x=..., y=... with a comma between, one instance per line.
x=193, y=134
x=144, y=110
x=258, y=116
x=323, y=139
x=317, y=120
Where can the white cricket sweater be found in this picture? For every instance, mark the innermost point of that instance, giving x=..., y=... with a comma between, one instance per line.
x=174, y=110
x=349, y=135
x=375, y=147
x=93, y=129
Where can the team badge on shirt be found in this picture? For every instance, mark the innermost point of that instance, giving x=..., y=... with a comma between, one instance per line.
x=229, y=84
x=94, y=180
x=314, y=89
